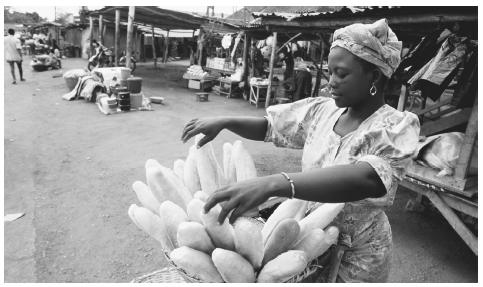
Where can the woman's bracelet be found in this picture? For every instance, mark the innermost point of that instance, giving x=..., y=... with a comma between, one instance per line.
x=291, y=183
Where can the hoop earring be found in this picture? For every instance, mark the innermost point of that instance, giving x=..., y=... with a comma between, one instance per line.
x=373, y=90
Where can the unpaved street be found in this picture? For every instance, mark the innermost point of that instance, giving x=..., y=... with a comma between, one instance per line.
x=70, y=169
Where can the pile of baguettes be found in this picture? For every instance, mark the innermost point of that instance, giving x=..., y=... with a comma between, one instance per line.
x=246, y=251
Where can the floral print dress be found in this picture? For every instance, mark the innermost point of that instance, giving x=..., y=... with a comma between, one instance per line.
x=386, y=140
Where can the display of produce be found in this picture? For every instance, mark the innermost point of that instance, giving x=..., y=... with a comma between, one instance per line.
x=203, y=250
x=195, y=72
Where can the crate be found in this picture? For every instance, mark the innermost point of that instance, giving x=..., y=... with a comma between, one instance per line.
x=201, y=85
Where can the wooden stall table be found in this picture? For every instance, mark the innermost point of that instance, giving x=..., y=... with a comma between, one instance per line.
x=222, y=72
x=258, y=92
x=226, y=86
x=457, y=192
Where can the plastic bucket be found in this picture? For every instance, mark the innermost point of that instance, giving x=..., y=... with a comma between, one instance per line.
x=136, y=100
x=134, y=84
x=125, y=73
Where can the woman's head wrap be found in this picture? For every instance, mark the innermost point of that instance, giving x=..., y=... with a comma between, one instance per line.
x=376, y=43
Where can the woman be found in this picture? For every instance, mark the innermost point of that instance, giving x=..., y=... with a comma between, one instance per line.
x=286, y=56
x=356, y=149
x=98, y=48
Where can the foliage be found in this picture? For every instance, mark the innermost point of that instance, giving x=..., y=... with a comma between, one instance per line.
x=63, y=18
x=11, y=16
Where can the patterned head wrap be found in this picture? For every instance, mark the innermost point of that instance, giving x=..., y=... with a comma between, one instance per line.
x=375, y=43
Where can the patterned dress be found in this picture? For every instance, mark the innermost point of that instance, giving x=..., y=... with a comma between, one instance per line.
x=386, y=140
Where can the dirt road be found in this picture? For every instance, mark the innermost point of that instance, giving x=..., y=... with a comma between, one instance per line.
x=70, y=169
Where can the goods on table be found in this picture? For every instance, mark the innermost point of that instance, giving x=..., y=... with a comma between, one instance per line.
x=195, y=72
x=259, y=81
x=441, y=152
x=226, y=41
x=204, y=250
x=220, y=64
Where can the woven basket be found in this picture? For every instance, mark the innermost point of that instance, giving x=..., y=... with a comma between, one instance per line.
x=309, y=275
x=165, y=275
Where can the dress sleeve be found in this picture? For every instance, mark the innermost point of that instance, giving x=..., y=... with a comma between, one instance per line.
x=288, y=124
x=389, y=148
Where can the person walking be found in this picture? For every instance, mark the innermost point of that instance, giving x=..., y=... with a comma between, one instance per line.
x=13, y=54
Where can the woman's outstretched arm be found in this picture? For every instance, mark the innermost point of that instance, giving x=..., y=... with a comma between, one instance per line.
x=253, y=128
x=343, y=183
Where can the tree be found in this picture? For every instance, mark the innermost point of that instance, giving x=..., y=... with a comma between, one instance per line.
x=63, y=18
x=11, y=16
x=35, y=16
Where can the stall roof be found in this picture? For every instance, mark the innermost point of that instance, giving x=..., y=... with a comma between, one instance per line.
x=154, y=16
x=220, y=26
x=413, y=21
x=45, y=24
x=349, y=15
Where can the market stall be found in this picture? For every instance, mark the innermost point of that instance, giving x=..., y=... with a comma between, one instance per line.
x=220, y=60
x=455, y=194
x=318, y=26
x=138, y=20
x=446, y=87
x=148, y=17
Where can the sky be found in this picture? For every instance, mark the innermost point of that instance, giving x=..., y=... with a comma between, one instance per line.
x=49, y=11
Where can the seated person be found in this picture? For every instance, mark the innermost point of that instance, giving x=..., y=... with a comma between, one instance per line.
x=53, y=60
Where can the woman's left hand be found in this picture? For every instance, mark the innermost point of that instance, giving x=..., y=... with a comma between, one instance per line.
x=246, y=195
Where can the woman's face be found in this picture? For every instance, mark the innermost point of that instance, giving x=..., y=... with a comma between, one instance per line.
x=349, y=82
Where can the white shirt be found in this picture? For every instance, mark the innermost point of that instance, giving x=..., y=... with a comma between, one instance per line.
x=11, y=44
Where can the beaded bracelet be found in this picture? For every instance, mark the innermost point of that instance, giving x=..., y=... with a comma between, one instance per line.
x=291, y=183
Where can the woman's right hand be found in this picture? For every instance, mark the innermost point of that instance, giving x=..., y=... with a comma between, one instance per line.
x=210, y=127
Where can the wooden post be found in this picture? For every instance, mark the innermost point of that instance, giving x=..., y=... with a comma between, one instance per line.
x=166, y=48
x=192, y=53
x=470, y=239
x=402, y=98
x=246, y=46
x=252, y=59
x=464, y=159
x=57, y=32
x=200, y=46
x=143, y=47
x=117, y=38
x=104, y=29
x=135, y=41
x=308, y=48
x=101, y=27
x=154, y=47
x=319, y=71
x=129, y=40
x=91, y=34
x=286, y=43
x=270, y=76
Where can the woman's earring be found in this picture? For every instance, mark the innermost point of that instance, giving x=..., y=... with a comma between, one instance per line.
x=373, y=90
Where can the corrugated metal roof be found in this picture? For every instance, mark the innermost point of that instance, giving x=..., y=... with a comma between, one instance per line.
x=152, y=15
x=383, y=11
